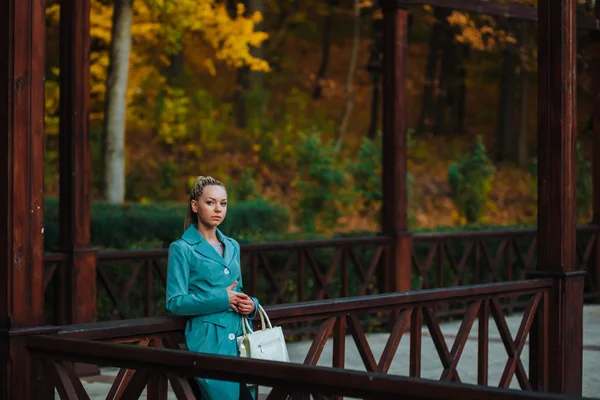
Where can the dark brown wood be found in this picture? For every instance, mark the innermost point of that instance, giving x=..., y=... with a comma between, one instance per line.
x=362, y=344
x=335, y=314
x=556, y=192
x=22, y=69
x=486, y=256
x=319, y=342
x=557, y=129
x=538, y=348
x=292, y=377
x=395, y=154
x=416, y=337
x=483, y=337
x=395, y=48
x=499, y=9
x=401, y=325
x=595, y=71
x=79, y=280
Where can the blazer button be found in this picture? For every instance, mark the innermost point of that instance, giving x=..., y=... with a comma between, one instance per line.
x=226, y=271
x=231, y=336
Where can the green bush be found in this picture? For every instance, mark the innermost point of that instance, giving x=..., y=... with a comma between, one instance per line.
x=156, y=225
x=366, y=173
x=322, y=183
x=583, y=181
x=470, y=182
x=245, y=187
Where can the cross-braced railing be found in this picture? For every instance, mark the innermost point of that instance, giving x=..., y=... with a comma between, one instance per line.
x=131, y=283
x=411, y=316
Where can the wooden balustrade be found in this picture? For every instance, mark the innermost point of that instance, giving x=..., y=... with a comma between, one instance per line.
x=153, y=368
x=278, y=273
x=411, y=311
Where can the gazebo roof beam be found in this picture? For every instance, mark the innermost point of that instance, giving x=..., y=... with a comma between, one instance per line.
x=494, y=8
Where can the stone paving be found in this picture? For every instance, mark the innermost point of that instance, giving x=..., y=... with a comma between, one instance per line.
x=431, y=367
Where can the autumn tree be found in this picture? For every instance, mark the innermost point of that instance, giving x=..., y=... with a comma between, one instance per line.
x=120, y=72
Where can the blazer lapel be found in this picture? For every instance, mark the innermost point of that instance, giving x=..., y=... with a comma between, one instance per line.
x=195, y=239
x=229, y=248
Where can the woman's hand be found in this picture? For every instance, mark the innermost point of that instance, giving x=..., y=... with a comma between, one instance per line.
x=235, y=298
x=246, y=306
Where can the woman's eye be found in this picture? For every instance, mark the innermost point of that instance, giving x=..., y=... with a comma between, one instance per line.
x=209, y=203
x=223, y=204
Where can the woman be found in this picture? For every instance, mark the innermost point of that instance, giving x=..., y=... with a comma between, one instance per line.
x=204, y=282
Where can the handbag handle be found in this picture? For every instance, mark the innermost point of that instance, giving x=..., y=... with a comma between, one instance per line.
x=263, y=315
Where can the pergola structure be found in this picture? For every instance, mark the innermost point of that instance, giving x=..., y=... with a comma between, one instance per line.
x=26, y=344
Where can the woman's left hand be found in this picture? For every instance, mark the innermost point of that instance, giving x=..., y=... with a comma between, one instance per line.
x=245, y=306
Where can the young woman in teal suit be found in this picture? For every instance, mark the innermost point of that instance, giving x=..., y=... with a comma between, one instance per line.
x=204, y=282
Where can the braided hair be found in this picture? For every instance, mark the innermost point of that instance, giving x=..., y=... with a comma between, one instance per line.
x=195, y=193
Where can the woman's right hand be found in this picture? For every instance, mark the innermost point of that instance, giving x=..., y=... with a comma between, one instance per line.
x=234, y=297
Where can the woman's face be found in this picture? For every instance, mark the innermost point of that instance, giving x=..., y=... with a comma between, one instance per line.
x=211, y=207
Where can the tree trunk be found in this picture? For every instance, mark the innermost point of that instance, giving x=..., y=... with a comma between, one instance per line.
x=505, y=129
x=460, y=90
x=523, y=141
x=523, y=149
x=256, y=79
x=425, y=118
x=116, y=103
x=343, y=127
x=447, y=70
x=248, y=80
x=374, y=67
x=325, y=48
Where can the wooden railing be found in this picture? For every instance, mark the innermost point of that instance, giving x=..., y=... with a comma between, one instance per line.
x=154, y=368
x=278, y=273
x=410, y=312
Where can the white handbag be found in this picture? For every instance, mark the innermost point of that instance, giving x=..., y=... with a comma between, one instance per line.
x=265, y=344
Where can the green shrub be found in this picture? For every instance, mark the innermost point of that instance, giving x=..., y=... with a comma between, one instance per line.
x=583, y=181
x=245, y=187
x=157, y=224
x=366, y=172
x=470, y=182
x=322, y=183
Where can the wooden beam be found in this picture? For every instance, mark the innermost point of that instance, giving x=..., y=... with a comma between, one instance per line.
x=21, y=163
x=556, y=192
x=595, y=71
x=22, y=49
x=395, y=154
x=79, y=279
x=494, y=8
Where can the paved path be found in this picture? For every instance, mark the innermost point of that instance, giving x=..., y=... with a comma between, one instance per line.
x=431, y=368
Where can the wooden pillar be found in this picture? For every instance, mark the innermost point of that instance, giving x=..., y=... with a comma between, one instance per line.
x=395, y=204
x=22, y=49
x=556, y=193
x=79, y=276
x=595, y=36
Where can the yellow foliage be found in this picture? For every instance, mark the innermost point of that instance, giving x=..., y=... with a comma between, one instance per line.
x=160, y=29
x=481, y=34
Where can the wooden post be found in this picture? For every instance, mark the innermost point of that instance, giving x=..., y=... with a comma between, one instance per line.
x=556, y=193
x=595, y=36
x=80, y=274
x=79, y=277
x=22, y=49
x=395, y=204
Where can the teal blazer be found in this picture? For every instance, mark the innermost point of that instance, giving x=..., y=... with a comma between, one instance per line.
x=197, y=281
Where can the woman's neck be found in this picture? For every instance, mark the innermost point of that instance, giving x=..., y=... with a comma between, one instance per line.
x=208, y=233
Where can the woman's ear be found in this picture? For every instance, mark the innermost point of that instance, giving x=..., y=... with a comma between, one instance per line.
x=194, y=206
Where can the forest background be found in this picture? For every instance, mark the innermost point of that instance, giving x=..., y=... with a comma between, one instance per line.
x=281, y=99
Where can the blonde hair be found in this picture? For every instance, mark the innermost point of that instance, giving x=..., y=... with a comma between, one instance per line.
x=195, y=193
